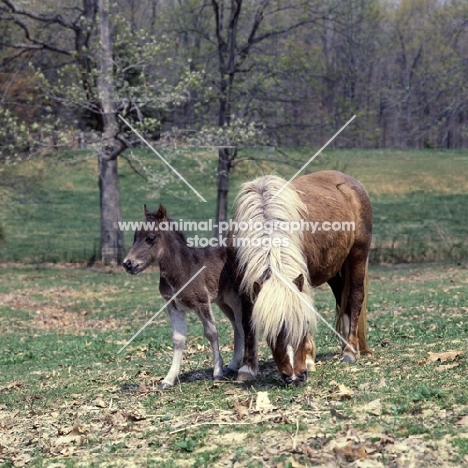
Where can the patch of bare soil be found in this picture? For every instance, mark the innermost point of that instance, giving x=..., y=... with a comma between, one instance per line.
x=50, y=316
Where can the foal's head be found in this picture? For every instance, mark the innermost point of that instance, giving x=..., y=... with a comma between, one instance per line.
x=147, y=246
x=293, y=349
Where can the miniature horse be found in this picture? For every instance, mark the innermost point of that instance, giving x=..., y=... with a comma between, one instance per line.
x=275, y=268
x=178, y=263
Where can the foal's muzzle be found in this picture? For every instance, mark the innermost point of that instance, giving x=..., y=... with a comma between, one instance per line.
x=296, y=381
x=130, y=267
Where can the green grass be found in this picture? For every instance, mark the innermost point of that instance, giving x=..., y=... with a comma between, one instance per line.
x=50, y=209
x=61, y=327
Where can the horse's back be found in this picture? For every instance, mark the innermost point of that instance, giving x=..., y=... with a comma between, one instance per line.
x=341, y=211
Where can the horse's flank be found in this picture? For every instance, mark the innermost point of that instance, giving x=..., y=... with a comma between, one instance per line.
x=331, y=196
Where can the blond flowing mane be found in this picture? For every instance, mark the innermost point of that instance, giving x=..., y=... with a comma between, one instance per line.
x=273, y=258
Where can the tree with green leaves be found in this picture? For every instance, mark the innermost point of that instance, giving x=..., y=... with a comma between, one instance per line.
x=103, y=67
x=228, y=39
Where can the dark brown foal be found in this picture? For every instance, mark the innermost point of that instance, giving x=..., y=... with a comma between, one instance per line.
x=178, y=263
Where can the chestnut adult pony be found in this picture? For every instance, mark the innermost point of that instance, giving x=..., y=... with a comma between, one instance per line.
x=276, y=267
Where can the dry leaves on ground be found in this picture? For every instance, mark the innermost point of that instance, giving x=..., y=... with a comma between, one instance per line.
x=444, y=356
x=340, y=391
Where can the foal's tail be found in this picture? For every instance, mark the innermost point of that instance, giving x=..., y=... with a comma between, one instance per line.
x=362, y=323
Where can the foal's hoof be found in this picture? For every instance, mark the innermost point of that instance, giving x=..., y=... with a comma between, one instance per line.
x=244, y=376
x=229, y=373
x=164, y=385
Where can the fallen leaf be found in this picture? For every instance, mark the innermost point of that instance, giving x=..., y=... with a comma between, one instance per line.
x=382, y=383
x=263, y=402
x=67, y=451
x=349, y=451
x=78, y=428
x=67, y=439
x=463, y=421
x=374, y=407
x=100, y=403
x=11, y=385
x=443, y=357
x=341, y=391
x=241, y=410
x=21, y=459
x=133, y=415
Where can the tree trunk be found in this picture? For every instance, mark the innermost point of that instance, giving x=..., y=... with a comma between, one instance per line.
x=223, y=187
x=112, y=248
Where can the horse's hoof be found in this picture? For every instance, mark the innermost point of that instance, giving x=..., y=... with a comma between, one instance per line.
x=229, y=373
x=244, y=377
x=348, y=358
x=164, y=385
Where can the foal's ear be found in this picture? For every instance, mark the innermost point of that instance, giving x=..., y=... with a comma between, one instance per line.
x=147, y=212
x=299, y=282
x=162, y=213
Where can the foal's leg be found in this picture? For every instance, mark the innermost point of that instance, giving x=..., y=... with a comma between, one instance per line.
x=179, y=337
x=206, y=316
x=235, y=316
x=249, y=367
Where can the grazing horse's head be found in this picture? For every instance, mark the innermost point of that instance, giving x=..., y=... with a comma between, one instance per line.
x=293, y=364
x=293, y=349
x=146, y=248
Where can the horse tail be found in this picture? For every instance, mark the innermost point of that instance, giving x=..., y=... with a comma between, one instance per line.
x=340, y=310
x=270, y=257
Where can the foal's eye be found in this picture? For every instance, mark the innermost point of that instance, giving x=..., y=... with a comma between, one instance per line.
x=150, y=238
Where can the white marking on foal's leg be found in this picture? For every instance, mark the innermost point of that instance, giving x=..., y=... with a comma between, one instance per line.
x=179, y=336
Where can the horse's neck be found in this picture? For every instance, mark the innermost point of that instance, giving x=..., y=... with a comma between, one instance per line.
x=173, y=259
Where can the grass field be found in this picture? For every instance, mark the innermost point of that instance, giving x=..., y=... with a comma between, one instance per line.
x=67, y=399
x=50, y=206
